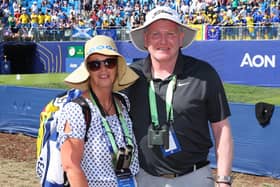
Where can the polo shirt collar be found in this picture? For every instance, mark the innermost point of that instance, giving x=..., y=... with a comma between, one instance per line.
x=179, y=67
x=177, y=70
x=147, y=67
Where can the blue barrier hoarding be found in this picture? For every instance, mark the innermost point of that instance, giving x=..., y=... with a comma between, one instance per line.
x=238, y=62
x=242, y=62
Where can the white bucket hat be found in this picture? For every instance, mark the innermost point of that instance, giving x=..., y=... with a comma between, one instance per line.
x=161, y=12
x=105, y=45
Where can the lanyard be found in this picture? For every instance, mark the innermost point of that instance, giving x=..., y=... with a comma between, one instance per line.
x=168, y=102
x=110, y=139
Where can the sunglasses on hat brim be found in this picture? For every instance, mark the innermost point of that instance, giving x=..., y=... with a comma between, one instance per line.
x=95, y=65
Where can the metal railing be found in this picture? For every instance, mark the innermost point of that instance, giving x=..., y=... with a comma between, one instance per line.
x=271, y=32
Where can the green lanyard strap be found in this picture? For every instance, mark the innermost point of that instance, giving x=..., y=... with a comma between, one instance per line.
x=124, y=126
x=168, y=101
x=111, y=139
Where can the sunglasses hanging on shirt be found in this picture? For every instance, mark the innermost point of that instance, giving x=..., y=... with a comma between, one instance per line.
x=95, y=65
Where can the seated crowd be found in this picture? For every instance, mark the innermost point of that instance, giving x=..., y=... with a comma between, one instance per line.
x=32, y=15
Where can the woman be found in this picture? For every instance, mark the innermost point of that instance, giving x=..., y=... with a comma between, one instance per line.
x=109, y=157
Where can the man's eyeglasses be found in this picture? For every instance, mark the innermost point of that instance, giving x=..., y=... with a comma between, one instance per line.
x=95, y=65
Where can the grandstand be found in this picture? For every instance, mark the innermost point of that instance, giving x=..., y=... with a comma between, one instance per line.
x=68, y=20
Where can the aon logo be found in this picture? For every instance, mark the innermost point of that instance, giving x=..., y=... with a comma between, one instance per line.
x=258, y=61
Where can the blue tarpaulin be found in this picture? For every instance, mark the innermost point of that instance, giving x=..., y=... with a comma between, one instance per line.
x=256, y=149
x=20, y=108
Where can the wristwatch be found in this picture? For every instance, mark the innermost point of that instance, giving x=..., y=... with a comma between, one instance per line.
x=224, y=179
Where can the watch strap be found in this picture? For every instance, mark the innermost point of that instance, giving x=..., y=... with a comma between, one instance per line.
x=224, y=179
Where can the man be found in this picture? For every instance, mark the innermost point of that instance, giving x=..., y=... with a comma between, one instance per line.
x=171, y=104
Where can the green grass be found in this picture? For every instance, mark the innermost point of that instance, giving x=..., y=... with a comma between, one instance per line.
x=252, y=94
x=44, y=80
x=235, y=93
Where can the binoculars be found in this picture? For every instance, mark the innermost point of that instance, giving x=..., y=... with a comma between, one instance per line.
x=123, y=158
x=158, y=136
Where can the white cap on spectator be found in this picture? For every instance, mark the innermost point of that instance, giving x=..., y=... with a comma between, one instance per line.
x=161, y=12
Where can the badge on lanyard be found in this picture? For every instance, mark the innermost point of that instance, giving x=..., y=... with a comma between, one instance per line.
x=126, y=182
x=174, y=145
x=125, y=178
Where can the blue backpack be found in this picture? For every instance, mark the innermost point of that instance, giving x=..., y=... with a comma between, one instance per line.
x=48, y=165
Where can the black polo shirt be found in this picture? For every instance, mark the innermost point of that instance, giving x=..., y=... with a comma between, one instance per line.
x=198, y=98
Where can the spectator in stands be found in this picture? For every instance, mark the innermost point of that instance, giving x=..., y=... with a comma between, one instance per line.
x=34, y=19
x=24, y=18
x=191, y=12
x=15, y=6
x=56, y=6
x=17, y=14
x=243, y=12
x=137, y=8
x=200, y=18
x=49, y=27
x=134, y=20
x=258, y=20
x=64, y=7
x=274, y=10
x=275, y=20
x=34, y=7
x=118, y=20
x=128, y=9
x=71, y=11
x=185, y=7
x=54, y=16
x=171, y=104
x=170, y=4
x=99, y=161
x=214, y=20
x=146, y=8
x=13, y=27
x=48, y=17
x=41, y=19
x=81, y=22
x=250, y=26
x=11, y=21
x=227, y=23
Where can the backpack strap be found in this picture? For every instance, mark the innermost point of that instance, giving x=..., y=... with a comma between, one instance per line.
x=122, y=98
x=86, y=111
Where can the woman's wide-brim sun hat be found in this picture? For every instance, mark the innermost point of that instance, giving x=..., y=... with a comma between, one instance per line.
x=104, y=45
x=161, y=12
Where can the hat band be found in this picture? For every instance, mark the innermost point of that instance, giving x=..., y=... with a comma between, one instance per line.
x=161, y=11
x=99, y=48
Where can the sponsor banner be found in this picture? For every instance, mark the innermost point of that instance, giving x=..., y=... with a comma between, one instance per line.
x=213, y=33
x=75, y=51
x=241, y=62
x=72, y=63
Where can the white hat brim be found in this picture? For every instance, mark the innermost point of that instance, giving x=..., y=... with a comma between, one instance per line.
x=137, y=34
